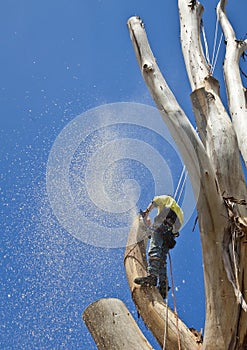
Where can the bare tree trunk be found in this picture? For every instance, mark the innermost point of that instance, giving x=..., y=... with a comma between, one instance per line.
x=222, y=147
x=212, y=159
x=219, y=173
x=113, y=327
x=235, y=91
x=215, y=125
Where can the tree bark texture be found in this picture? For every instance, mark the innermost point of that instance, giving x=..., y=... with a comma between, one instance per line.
x=212, y=158
x=113, y=327
x=235, y=91
x=213, y=163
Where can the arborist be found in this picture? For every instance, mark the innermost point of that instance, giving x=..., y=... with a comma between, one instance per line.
x=163, y=232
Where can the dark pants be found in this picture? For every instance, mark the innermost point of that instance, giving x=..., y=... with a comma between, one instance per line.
x=160, y=244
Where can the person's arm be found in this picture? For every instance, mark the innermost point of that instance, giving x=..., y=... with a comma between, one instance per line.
x=149, y=208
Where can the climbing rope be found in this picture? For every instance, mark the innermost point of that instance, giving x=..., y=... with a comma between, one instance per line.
x=179, y=190
x=177, y=195
x=179, y=182
x=174, y=302
x=182, y=187
x=166, y=321
x=215, y=38
x=205, y=44
x=175, y=309
x=217, y=54
x=212, y=64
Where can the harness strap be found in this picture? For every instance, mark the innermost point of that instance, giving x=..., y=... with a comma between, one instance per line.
x=154, y=258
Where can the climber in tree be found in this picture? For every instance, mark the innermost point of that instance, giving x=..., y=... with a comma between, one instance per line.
x=163, y=232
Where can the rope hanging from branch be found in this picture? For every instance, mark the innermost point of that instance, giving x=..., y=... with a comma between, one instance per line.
x=216, y=52
x=215, y=37
x=174, y=301
x=166, y=326
x=205, y=44
x=175, y=309
x=212, y=64
x=180, y=186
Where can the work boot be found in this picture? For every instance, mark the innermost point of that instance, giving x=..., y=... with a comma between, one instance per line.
x=163, y=289
x=149, y=280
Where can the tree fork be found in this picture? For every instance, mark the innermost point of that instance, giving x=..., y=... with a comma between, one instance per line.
x=213, y=219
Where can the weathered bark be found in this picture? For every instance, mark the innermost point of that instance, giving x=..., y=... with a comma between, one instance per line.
x=113, y=327
x=212, y=159
x=221, y=145
x=212, y=119
x=219, y=171
x=196, y=160
x=155, y=313
x=235, y=91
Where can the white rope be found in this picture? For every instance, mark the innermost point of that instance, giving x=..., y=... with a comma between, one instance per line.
x=174, y=301
x=166, y=323
x=217, y=53
x=182, y=187
x=179, y=182
x=215, y=39
x=205, y=44
x=179, y=190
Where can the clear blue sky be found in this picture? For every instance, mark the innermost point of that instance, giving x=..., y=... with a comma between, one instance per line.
x=60, y=59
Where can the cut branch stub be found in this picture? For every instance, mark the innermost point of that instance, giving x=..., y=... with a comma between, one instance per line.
x=113, y=327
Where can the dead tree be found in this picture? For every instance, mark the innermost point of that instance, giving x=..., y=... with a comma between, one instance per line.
x=212, y=158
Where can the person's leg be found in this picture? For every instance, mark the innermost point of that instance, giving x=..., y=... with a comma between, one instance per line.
x=154, y=258
x=163, y=265
x=155, y=253
x=163, y=280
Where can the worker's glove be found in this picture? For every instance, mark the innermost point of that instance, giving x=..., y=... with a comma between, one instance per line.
x=143, y=213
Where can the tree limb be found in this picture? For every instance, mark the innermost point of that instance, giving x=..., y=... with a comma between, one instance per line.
x=195, y=62
x=189, y=144
x=213, y=122
x=235, y=90
x=113, y=327
x=212, y=213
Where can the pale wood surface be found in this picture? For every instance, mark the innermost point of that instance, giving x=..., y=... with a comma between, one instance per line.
x=213, y=163
x=237, y=101
x=113, y=327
